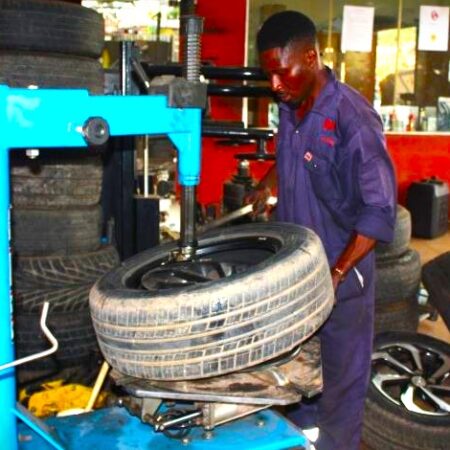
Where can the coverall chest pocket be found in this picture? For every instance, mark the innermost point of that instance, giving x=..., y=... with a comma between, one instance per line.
x=320, y=165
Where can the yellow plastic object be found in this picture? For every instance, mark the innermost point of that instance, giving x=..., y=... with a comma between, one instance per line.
x=56, y=397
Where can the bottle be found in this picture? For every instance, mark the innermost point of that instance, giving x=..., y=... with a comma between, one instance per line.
x=411, y=125
x=423, y=120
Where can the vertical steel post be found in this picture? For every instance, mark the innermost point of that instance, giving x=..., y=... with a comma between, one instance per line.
x=8, y=425
x=191, y=29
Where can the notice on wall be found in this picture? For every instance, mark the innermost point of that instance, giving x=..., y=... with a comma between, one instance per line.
x=433, y=28
x=357, y=28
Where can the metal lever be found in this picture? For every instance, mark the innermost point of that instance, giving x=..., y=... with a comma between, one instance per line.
x=48, y=335
x=140, y=72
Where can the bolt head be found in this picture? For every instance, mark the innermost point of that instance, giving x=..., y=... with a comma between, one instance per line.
x=96, y=131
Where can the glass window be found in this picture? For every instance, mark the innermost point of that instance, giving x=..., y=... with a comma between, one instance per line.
x=410, y=88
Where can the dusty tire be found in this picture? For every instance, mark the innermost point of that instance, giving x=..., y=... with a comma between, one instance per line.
x=397, y=278
x=63, y=281
x=51, y=71
x=392, y=426
x=402, y=315
x=74, y=332
x=220, y=326
x=54, y=232
x=70, y=182
x=402, y=236
x=50, y=26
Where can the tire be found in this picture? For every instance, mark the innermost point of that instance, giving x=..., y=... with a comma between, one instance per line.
x=402, y=237
x=397, y=279
x=35, y=272
x=51, y=71
x=64, y=282
x=74, y=333
x=71, y=298
x=397, y=316
x=57, y=183
x=436, y=278
x=279, y=295
x=56, y=232
x=50, y=26
x=392, y=426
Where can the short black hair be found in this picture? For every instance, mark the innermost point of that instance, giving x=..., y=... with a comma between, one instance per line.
x=283, y=28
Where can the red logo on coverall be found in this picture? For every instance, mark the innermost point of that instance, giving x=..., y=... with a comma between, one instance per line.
x=308, y=156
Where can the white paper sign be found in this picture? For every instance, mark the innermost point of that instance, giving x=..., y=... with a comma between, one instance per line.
x=433, y=28
x=357, y=28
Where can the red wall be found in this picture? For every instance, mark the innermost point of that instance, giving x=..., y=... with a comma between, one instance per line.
x=223, y=44
x=418, y=156
x=415, y=156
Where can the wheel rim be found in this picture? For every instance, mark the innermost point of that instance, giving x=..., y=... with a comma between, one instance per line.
x=211, y=262
x=414, y=377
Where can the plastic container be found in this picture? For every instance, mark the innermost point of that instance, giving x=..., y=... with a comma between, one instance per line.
x=427, y=201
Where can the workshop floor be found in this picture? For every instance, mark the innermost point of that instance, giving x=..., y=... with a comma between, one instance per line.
x=429, y=249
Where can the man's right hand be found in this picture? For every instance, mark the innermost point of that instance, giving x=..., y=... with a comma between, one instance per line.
x=259, y=199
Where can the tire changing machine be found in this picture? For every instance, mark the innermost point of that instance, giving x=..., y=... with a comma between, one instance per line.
x=153, y=415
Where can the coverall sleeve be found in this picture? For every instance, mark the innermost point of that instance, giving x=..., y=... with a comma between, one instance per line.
x=377, y=185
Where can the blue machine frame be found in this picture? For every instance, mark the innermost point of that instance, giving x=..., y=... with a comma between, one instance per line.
x=40, y=118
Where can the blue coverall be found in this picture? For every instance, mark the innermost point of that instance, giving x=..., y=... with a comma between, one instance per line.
x=336, y=178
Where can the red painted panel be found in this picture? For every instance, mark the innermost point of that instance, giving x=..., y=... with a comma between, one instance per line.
x=419, y=156
x=223, y=44
x=415, y=157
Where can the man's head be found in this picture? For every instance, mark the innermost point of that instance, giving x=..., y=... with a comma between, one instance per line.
x=287, y=46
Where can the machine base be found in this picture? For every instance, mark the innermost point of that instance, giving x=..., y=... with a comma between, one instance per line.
x=113, y=428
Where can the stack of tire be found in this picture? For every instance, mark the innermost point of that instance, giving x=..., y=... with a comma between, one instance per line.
x=398, y=272
x=56, y=215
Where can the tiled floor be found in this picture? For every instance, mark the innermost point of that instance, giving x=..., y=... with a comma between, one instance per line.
x=429, y=249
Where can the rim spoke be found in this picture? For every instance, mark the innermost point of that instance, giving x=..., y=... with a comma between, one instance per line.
x=389, y=359
x=441, y=404
x=439, y=387
x=380, y=379
x=414, y=353
x=407, y=399
x=444, y=369
x=190, y=276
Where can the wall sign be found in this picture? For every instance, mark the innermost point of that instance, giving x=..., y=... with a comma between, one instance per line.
x=357, y=28
x=433, y=28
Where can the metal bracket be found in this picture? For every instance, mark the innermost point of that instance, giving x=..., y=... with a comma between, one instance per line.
x=48, y=335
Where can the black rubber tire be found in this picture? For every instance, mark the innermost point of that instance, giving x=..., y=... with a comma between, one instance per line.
x=389, y=427
x=402, y=315
x=33, y=272
x=402, y=237
x=70, y=182
x=51, y=71
x=56, y=232
x=50, y=26
x=397, y=278
x=70, y=298
x=220, y=326
x=64, y=282
x=74, y=332
x=436, y=279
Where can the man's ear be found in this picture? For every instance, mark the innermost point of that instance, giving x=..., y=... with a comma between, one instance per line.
x=311, y=57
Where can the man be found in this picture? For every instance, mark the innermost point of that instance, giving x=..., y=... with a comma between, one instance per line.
x=336, y=178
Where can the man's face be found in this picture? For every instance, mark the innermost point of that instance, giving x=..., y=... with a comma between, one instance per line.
x=291, y=72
